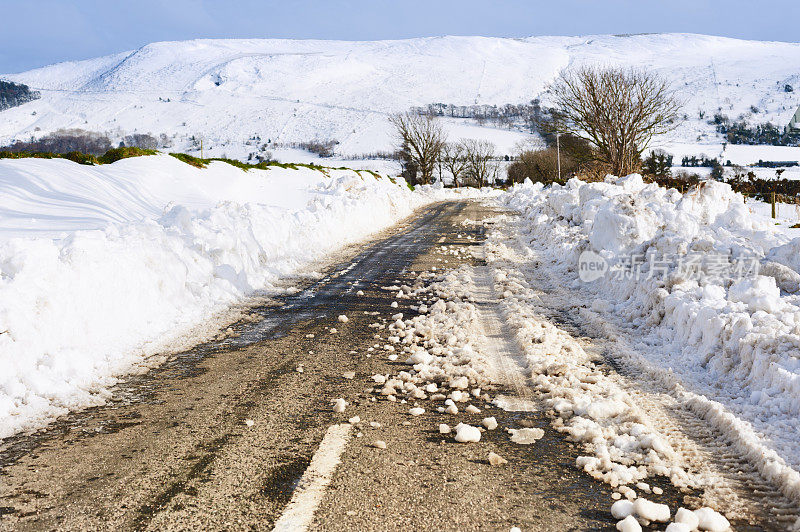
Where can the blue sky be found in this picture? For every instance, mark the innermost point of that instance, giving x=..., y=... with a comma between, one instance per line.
x=40, y=32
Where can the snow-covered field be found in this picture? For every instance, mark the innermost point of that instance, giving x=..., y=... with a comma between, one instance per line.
x=227, y=91
x=101, y=267
x=677, y=302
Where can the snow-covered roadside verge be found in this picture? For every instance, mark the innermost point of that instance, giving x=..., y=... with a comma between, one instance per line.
x=134, y=255
x=725, y=346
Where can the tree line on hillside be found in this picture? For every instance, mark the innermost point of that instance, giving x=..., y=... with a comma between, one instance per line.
x=86, y=142
x=15, y=94
x=526, y=114
x=741, y=132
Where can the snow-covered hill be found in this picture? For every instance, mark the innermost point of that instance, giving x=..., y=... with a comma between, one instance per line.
x=292, y=91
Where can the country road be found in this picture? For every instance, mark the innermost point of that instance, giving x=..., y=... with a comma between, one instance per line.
x=240, y=433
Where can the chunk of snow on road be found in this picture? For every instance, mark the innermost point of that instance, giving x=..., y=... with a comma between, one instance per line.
x=458, y=395
x=472, y=409
x=467, y=433
x=601, y=305
x=249, y=422
x=622, y=509
x=496, y=459
x=711, y=520
x=339, y=405
x=460, y=383
x=349, y=375
x=342, y=318
x=526, y=436
x=416, y=411
x=651, y=511
x=444, y=428
x=629, y=524
x=489, y=422
x=379, y=444
x=678, y=527
x=687, y=517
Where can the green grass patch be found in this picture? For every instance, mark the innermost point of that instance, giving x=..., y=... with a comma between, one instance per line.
x=197, y=162
x=115, y=154
x=108, y=157
x=78, y=157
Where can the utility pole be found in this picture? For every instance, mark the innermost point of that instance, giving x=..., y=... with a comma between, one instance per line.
x=558, y=154
x=201, y=147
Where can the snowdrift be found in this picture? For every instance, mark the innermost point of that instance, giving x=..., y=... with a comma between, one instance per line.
x=102, y=266
x=726, y=339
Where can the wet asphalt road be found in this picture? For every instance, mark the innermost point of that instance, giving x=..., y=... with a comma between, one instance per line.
x=172, y=450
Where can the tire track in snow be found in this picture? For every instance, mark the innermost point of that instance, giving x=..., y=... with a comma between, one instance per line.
x=732, y=481
x=509, y=362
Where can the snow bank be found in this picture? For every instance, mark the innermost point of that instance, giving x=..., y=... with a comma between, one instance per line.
x=725, y=338
x=101, y=267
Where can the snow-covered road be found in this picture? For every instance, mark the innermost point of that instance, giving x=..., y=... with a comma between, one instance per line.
x=448, y=375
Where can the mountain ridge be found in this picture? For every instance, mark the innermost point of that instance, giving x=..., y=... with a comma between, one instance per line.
x=296, y=90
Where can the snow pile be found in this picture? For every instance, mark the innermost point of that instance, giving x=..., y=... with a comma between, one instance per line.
x=446, y=350
x=591, y=407
x=442, y=345
x=101, y=267
x=679, y=289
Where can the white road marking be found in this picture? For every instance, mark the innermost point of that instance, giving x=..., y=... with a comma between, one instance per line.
x=299, y=513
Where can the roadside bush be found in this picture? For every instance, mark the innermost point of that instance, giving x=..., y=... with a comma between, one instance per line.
x=75, y=156
x=116, y=154
x=658, y=164
x=197, y=162
x=682, y=181
x=542, y=166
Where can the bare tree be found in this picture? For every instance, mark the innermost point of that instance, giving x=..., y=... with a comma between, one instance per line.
x=618, y=111
x=479, y=157
x=421, y=139
x=453, y=160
